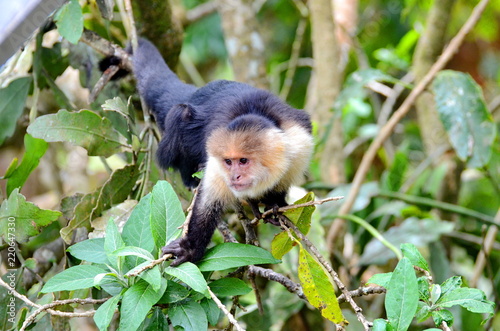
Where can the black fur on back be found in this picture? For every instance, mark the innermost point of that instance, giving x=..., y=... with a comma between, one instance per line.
x=187, y=115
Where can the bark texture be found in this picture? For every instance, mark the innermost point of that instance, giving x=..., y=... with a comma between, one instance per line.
x=243, y=42
x=326, y=84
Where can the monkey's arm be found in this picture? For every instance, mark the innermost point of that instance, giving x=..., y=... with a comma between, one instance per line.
x=201, y=227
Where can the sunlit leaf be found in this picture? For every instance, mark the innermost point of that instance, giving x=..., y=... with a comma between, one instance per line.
x=318, y=287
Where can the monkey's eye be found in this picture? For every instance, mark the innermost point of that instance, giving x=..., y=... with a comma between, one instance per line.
x=228, y=162
x=243, y=161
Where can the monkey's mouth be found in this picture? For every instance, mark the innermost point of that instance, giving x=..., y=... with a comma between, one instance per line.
x=241, y=187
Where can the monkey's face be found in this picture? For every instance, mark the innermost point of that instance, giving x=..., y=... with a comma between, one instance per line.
x=238, y=177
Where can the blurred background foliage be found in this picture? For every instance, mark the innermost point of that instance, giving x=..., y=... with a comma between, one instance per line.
x=410, y=194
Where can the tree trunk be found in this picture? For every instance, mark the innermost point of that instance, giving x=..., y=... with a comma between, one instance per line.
x=243, y=42
x=325, y=86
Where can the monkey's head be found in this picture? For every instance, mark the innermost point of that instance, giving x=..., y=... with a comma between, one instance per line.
x=250, y=160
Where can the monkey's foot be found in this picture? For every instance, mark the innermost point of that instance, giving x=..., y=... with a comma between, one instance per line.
x=181, y=249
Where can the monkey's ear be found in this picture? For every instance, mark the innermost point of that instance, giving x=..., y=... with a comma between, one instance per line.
x=186, y=112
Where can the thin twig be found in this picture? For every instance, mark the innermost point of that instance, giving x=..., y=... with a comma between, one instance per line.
x=300, y=205
x=485, y=251
x=107, y=48
x=366, y=162
x=362, y=291
x=150, y=265
x=105, y=78
x=52, y=304
x=229, y=316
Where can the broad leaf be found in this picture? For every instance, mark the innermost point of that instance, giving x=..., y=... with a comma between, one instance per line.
x=472, y=299
x=411, y=252
x=83, y=128
x=35, y=149
x=137, y=230
x=191, y=275
x=104, y=314
x=69, y=21
x=12, y=100
x=137, y=302
x=301, y=217
x=166, y=214
x=116, y=189
x=113, y=240
x=443, y=315
x=74, y=278
x=380, y=279
x=467, y=121
x=81, y=215
x=233, y=255
x=91, y=250
x=226, y=287
x=175, y=293
x=188, y=315
x=401, y=300
x=24, y=217
x=318, y=287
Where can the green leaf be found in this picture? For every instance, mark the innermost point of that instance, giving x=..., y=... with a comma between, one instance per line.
x=113, y=240
x=435, y=293
x=12, y=100
x=152, y=276
x=301, y=217
x=423, y=289
x=318, y=287
x=191, y=275
x=134, y=251
x=83, y=128
x=137, y=302
x=157, y=321
x=166, y=214
x=443, y=315
x=451, y=284
x=69, y=21
x=467, y=121
x=74, y=278
x=423, y=311
x=227, y=287
x=212, y=310
x=81, y=216
x=137, y=230
x=91, y=250
x=116, y=189
x=104, y=314
x=355, y=85
x=233, y=255
x=472, y=299
x=35, y=149
x=381, y=325
x=411, y=252
x=175, y=292
x=20, y=219
x=380, y=279
x=401, y=300
x=188, y=315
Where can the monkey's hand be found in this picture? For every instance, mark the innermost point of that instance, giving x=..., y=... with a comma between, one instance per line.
x=183, y=251
x=273, y=218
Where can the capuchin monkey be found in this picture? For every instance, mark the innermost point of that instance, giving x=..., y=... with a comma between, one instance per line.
x=250, y=144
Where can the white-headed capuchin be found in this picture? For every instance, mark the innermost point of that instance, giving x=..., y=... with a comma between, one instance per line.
x=251, y=145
